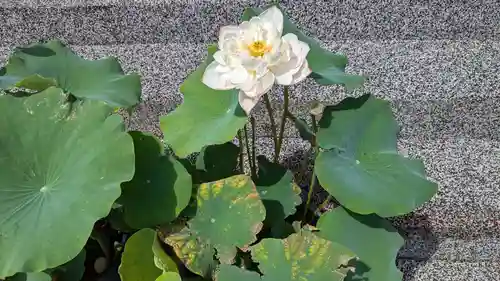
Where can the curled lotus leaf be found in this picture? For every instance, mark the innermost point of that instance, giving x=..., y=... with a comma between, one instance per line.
x=102, y=80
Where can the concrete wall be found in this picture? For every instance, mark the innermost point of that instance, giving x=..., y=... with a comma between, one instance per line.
x=437, y=62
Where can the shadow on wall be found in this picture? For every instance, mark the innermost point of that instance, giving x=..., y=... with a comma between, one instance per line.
x=421, y=241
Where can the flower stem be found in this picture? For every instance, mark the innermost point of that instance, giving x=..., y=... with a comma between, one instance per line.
x=273, y=127
x=311, y=189
x=252, y=120
x=249, y=156
x=240, y=141
x=315, y=126
x=283, y=120
x=313, y=177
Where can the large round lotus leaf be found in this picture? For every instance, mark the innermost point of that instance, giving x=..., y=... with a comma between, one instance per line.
x=60, y=165
x=70, y=271
x=233, y=273
x=33, y=276
x=102, y=80
x=371, y=238
x=327, y=68
x=138, y=262
x=206, y=116
x=169, y=276
x=301, y=256
x=161, y=187
x=359, y=163
x=277, y=190
x=8, y=81
x=229, y=215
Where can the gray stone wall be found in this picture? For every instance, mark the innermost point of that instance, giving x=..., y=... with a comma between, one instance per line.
x=437, y=62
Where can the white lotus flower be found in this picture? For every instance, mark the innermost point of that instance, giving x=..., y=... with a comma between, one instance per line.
x=253, y=56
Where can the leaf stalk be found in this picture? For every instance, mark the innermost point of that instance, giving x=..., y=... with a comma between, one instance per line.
x=283, y=121
x=240, y=141
x=273, y=127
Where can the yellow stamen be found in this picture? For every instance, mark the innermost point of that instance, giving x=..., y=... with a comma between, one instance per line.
x=259, y=48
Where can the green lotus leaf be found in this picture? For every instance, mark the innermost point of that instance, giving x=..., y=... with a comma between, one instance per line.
x=101, y=80
x=138, y=258
x=7, y=82
x=301, y=256
x=70, y=271
x=233, y=273
x=32, y=276
x=278, y=191
x=161, y=259
x=169, y=276
x=359, y=164
x=229, y=215
x=327, y=68
x=33, y=82
x=212, y=116
x=60, y=164
x=161, y=187
x=371, y=238
x=217, y=161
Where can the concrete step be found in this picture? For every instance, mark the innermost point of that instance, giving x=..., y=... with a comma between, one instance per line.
x=486, y=249
x=459, y=117
x=439, y=270
x=438, y=89
x=113, y=22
